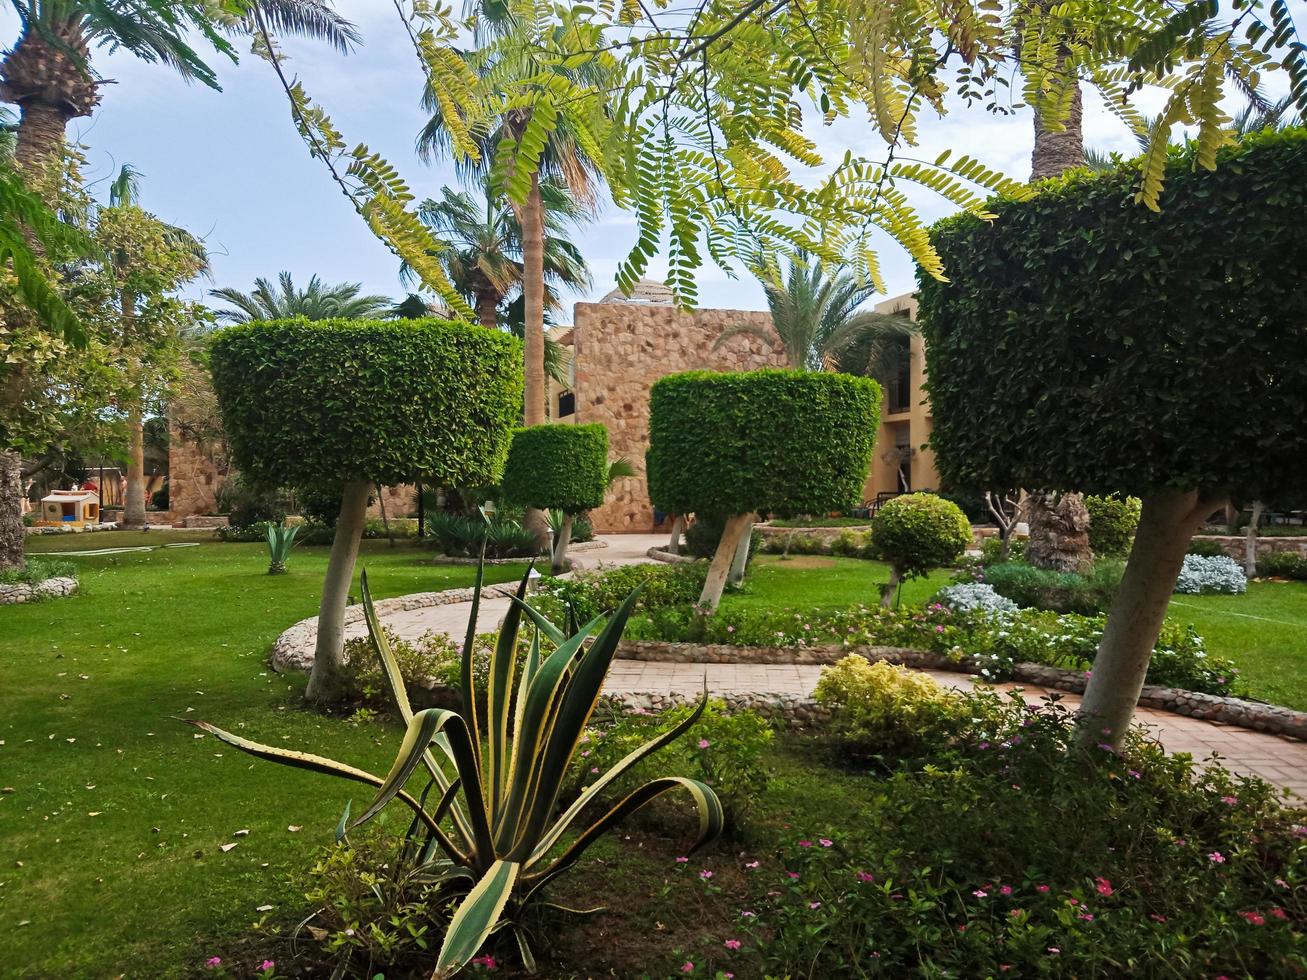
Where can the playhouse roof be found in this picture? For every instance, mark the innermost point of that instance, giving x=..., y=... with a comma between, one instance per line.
x=65, y=496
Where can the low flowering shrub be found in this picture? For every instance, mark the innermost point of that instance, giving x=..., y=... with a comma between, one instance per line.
x=962, y=868
x=996, y=641
x=1283, y=564
x=1042, y=588
x=595, y=594
x=1218, y=574
x=974, y=596
x=879, y=708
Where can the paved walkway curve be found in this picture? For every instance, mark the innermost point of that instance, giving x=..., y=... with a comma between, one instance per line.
x=1280, y=761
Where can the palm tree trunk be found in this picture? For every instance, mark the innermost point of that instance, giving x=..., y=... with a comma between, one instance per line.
x=12, y=534
x=134, y=504
x=487, y=303
x=532, y=220
x=1056, y=152
x=39, y=138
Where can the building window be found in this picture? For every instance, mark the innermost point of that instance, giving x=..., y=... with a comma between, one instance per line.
x=566, y=404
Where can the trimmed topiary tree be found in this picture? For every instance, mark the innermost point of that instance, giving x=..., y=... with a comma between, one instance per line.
x=351, y=403
x=1084, y=341
x=1112, y=522
x=779, y=442
x=915, y=533
x=558, y=467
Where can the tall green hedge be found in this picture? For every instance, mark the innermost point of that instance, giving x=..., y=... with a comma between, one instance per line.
x=555, y=465
x=320, y=403
x=778, y=442
x=1085, y=342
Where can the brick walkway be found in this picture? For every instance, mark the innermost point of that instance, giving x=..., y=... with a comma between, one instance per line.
x=1280, y=761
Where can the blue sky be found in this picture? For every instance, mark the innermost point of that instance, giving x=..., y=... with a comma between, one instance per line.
x=230, y=167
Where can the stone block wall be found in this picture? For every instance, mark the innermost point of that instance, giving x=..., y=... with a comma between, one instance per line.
x=195, y=473
x=1236, y=546
x=620, y=349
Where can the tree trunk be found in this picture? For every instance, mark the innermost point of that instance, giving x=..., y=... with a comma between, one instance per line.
x=487, y=304
x=39, y=138
x=1167, y=522
x=558, y=562
x=1250, y=539
x=134, y=504
x=678, y=525
x=12, y=534
x=328, y=657
x=722, y=559
x=741, y=561
x=889, y=590
x=1056, y=152
x=533, y=331
x=1059, y=532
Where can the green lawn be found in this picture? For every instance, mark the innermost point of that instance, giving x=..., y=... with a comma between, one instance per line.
x=822, y=582
x=111, y=812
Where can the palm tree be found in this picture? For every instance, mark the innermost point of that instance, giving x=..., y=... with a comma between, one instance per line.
x=316, y=302
x=48, y=72
x=484, y=260
x=817, y=323
x=125, y=192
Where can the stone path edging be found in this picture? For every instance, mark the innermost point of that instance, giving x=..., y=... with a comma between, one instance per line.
x=293, y=649
x=1272, y=718
x=51, y=588
x=658, y=554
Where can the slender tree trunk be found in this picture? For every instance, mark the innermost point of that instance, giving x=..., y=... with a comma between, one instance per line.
x=1167, y=522
x=1250, y=539
x=328, y=656
x=722, y=559
x=678, y=525
x=558, y=562
x=385, y=521
x=12, y=534
x=891, y=588
x=741, y=561
x=533, y=295
x=1056, y=152
x=134, y=505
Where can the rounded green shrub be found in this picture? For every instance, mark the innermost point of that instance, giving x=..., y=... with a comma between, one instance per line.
x=776, y=442
x=1141, y=350
x=325, y=402
x=1112, y=523
x=557, y=466
x=919, y=531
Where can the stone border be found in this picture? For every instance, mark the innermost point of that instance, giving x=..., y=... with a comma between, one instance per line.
x=658, y=554
x=51, y=588
x=293, y=649
x=1236, y=545
x=61, y=529
x=1258, y=716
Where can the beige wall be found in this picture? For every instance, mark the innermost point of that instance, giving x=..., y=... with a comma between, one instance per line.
x=619, y=350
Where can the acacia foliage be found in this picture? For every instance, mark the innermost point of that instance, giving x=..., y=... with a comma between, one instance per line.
x=329, y=401
x=771, y=441
x=557, y=466
x=1084, y=342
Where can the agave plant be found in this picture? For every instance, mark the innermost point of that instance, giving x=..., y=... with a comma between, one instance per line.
x=494, y=838
x=280, y=541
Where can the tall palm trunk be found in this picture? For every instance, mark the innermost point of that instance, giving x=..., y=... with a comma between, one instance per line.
x=134, y=504
x=532, y=218
x=1059, y=523
x=487, y=303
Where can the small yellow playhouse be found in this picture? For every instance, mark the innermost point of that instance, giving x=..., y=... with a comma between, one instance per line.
x=70, y=508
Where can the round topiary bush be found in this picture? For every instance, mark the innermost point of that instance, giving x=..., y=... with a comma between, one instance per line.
x=350, y=403
x=757, y=442
x=1112, y=523
x=558, y=467
x=915, y=533
x=1154, y=353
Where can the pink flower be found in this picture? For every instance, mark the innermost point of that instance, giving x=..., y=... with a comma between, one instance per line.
x=1216, y=857
x=753, y=864
x=805, y=843
x=268, y=965
x=1054, y=950
x=939, y=629
x=864, y=876
x=980, y=893
x=213, y=962
x=1230, y=800
x=730, y=629
x=704, y=743
x=682, y=860
x=733, y=944
x=487, y=961
x=1005, y=890
x=824, y=842
x=1086, y=916
x=1255, y=918
x=1103, y=886
x=705, y=874
x=1279, y=913
x=745, y=913
x=1157, y=918
x=687, y=967
x=794, y=875
x=814, y=905
x=1135, y=774
x=1042, y=889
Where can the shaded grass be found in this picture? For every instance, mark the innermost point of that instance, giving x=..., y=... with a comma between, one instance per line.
x=112, y=813
x=823, y=582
